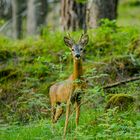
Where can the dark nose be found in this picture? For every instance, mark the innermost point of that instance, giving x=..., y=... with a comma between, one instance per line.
x=77, y=55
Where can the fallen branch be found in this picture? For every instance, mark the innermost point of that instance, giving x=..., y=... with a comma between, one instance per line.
x=121, y=82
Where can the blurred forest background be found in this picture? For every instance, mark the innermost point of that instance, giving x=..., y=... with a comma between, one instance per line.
x=33, y=57
x=21, y=18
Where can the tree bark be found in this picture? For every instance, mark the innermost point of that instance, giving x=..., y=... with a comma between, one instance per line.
x=16, y=18
x=73, y=15
x=99, y=9
x=36, y=15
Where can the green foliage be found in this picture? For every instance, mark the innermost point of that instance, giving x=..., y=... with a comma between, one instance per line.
x=132, y=86
x=109, y=125
x=94, y=124
x=122, y=101
x=112, y=69
x=110, y=40
x=134, y=46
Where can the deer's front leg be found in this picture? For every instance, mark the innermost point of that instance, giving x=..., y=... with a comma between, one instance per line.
x=67, y=117
x=59, y=111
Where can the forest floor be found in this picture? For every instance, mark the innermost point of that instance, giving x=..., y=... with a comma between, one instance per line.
x=28, y=67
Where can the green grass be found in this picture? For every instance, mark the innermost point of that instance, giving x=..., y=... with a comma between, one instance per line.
x=94, y=124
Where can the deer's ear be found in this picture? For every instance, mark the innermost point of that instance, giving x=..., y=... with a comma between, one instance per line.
x=68, y=42
x=84, y=40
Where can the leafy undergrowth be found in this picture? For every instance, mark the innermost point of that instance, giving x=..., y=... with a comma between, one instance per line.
x=28, y=67
x=94, y=124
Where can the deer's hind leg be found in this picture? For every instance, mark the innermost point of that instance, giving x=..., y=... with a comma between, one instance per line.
x=58, y=113
x=53, y=111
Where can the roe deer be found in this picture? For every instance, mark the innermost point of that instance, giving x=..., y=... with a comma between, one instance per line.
x=69, y=90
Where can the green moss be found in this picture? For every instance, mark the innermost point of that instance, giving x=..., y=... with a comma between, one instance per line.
x=122, y=101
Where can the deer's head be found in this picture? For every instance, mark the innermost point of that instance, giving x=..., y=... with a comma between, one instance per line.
x=77, y=49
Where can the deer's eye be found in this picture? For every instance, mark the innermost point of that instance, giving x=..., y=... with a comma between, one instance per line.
x=72, y=49
x=81, y=49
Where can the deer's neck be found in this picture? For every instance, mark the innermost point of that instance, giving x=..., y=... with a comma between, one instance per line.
x=78, y=71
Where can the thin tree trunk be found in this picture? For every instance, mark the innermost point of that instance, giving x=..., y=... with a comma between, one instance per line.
x=73, y=15
x=31, y=17
x=36, y=15
x=16, y=18
x=99, y=9
x=6, y=9
x=42, y=12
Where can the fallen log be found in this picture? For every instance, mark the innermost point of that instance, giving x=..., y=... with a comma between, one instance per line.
x=121, y=82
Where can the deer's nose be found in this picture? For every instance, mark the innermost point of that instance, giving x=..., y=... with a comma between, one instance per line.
x=77, y=55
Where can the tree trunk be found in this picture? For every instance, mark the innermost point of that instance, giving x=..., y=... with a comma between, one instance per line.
x=36, y=15
x=5, y=9
x=73, y=15
x=99, y=9
x=16, y=18
x=42, y=12
x=31, y=17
